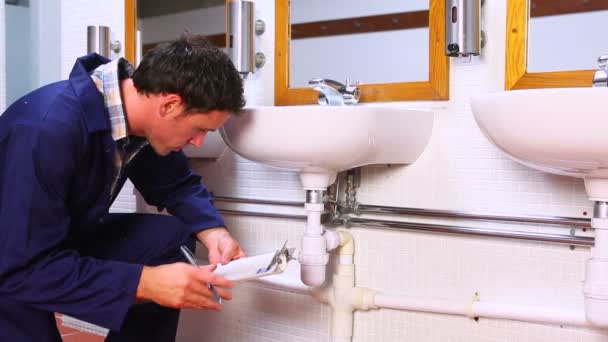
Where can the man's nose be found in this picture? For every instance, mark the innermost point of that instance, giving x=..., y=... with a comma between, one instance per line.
x=198, y=139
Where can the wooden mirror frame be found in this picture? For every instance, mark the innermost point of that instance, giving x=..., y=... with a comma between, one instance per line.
x=516, y=73
x=436, y=88
x=130, y=30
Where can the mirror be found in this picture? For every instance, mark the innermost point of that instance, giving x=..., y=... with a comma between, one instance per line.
x=552, y=44
x=354, y=44
x=566, y=37
x=160, y=20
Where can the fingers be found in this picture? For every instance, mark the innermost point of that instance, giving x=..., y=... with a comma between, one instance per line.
x=208, y=268
x=201, y=297
x=223, y=293
x=215, y=257
x=230, y=250
x=240, y=254
x=204, y=303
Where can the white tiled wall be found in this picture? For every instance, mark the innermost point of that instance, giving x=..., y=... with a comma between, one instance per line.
x=460, y=170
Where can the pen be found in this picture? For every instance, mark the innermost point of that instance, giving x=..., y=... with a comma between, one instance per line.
x=190, y=257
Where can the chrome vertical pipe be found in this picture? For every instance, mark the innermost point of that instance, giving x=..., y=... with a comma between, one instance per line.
x=98, y=40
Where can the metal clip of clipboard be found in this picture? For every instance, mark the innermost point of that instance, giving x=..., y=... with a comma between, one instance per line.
x=281, y=257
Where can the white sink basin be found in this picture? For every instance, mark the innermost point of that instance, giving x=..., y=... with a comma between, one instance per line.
x=562, y=131
x=320, y=141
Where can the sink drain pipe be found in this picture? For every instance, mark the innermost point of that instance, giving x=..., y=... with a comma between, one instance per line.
x=313, y=255
x=596, y=271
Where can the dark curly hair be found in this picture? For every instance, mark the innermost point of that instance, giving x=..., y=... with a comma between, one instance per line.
x=191, y=67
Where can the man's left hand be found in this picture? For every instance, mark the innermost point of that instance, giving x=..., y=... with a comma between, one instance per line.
x=222, y=247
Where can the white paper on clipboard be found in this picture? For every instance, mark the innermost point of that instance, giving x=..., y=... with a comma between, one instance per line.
x=256, y=266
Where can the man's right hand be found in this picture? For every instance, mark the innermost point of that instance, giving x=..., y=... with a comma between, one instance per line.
x=180, y=285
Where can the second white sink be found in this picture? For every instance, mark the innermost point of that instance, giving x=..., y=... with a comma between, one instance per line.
x=562, y=131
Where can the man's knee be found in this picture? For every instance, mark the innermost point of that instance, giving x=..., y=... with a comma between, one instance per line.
x=19, y=322
x=139, y=238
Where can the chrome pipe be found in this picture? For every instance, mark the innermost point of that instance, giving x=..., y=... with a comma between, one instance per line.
x=387, y=210
x=553, y=220
x=600, y=210
x=257, y=201
x=266, y=215
x=314, y=197
x=436, y=228
x=98, y=40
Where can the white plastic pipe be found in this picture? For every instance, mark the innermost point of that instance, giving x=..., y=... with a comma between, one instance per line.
x=289, y=281
x=596, y=276
x=387, y=301
x=495, y=310
x=526, y=313
x=342, y=295
x=313, y=255
x=551, y=315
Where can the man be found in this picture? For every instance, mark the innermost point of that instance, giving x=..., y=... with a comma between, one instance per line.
x=66, y=149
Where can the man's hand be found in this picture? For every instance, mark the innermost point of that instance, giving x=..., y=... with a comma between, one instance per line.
x=180, y=285
x=222, y=247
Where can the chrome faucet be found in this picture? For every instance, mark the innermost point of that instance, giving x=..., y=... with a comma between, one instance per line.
x=332, y=93
x=600, y=78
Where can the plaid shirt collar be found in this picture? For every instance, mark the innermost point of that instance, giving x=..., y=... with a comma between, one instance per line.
x=107, y=79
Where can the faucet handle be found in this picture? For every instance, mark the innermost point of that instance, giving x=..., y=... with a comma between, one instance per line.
x=600, y=78
x=602, y=63
x=334, y=93
x=351, y=92
x=325, y=81
x=356, y=83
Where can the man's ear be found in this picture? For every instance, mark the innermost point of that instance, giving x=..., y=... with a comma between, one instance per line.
x=171, y=105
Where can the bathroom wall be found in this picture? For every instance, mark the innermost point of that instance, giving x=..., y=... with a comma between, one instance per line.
x=18, y=52
x=32, y=49
x=46, y=32
x=460, y=170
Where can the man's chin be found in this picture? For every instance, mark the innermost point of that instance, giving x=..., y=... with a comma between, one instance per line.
x=161, y=152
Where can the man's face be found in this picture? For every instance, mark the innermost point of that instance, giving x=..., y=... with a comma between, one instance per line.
x=177, y=129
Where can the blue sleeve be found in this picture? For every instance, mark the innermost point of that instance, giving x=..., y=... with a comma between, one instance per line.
x=167, y=182
x=36, y=268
